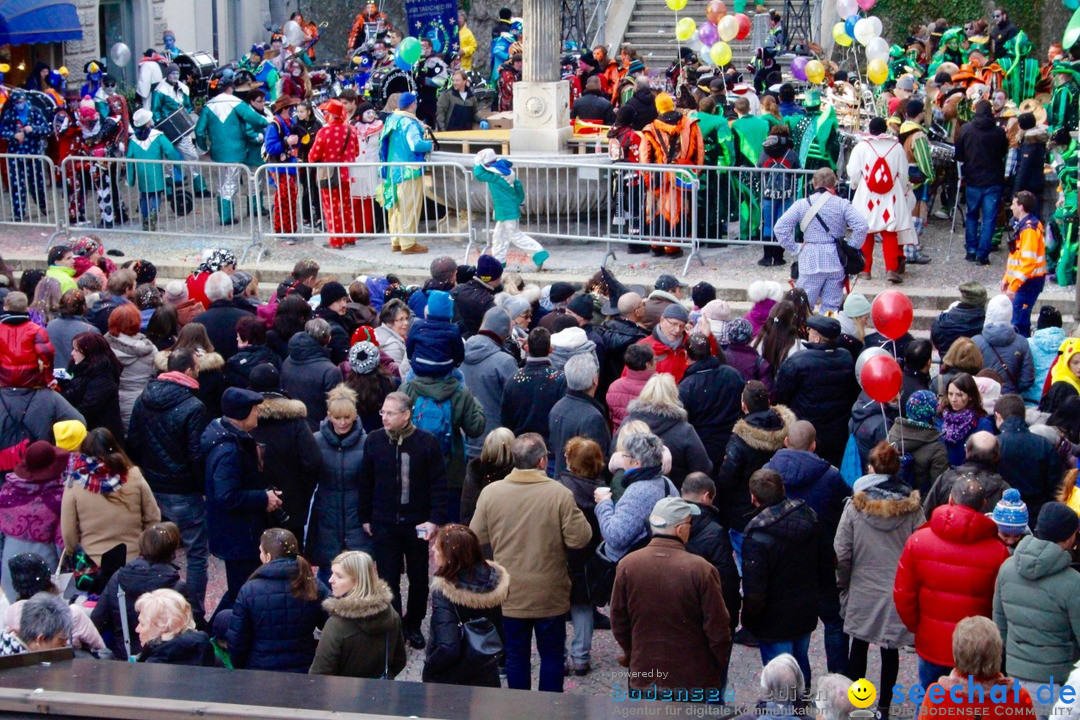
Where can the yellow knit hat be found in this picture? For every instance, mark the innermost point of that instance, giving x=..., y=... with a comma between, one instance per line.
x=664, y=103
x=69, y=434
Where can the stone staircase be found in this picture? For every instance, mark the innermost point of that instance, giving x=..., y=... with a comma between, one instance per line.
x=652, y=31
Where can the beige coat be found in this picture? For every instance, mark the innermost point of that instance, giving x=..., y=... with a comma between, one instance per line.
x=529, y=520
x=101, y=522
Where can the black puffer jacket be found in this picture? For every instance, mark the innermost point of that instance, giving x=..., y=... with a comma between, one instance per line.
x=479, y=592
x=220, y=320
x=471, y=301
x=270, y=629
x=478, y=475
x=335, y=518
x=818, y=384
x=754, y=440
x=709, y=539
x=529, y=395
x=94, y=390
x=291, y=457
x=212, y=383
x=167, y=424
x=191, y=647
x=340, y=333
x=583, y=489
x=782, y=555
x=239, y=366
x=592, y=105
x=958, y=321
x=307, y=375
x=869, y=425
x=137, y=578
x=712, y=396
x=987, y=475
x=619, y=334
x=670, y=425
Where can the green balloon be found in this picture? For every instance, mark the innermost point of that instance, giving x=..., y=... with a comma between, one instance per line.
x=740, y=6
x=409, y=50
x=1072, y=32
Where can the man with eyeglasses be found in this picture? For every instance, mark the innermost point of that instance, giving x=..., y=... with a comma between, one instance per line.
x=668, y=341
x=667, y=609
x=1002, y=31
x=402, y=501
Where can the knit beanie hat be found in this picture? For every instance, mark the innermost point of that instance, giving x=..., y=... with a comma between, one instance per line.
x=1011, y=514
x=515, y=305
x=856, y=305
x=363, y=358
x=675, y=311
x=497, y=321
x=560, y=292
x=176, y=292
x=765, y=290
x=69, y=434
x=922, y=408
x=582, y=306
x=718, y=314
x=973, y=293
x=443, y=269
x=1057, y=521
x=488, y=268
x=740, y=331
x=570, y=338
x=331, y=293
x=998, y=310
x=264, y=378
x=440, y=306
x=664, y=103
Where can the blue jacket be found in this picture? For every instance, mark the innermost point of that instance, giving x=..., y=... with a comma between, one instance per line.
x=275, y=145
x=434, y=347
x=957, y=454
x=335, y=510
x=1044, y=345
x=270, y=629
x=808, y=477
x=625, y=523
x=235, y=495
x=402, y=141
x=32, y=141
x=1006, y=352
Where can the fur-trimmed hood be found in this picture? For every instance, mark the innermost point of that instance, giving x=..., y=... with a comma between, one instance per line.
x=356, y=608
x=671, y=413
x=208, y=362
x=279, y=407
x=475, y=591
x=760, y=434
x=886, y=507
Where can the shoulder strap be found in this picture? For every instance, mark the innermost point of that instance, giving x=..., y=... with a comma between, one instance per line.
x=1004, y=365
x=815, y=205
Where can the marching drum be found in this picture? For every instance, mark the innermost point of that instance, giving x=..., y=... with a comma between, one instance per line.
x=177, y=125
x=385, y=82
x=943, y=157
x=196, y=69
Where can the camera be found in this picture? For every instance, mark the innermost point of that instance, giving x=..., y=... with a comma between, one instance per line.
x=280, y=517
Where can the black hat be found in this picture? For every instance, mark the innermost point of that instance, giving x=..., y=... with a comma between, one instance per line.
x=561, y=292
x=582, y=306
x=827, y=327
x=1057, y=522
x=236, y=403
x=30, y=574
x=703, y=293
x=915, y=107
x=1049, y=316
x=264, y=378
x=667, y=283
x=331, y=293
x=465, y=273
x=1025, y=120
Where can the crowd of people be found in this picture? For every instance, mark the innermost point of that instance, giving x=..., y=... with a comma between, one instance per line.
x=526, y=457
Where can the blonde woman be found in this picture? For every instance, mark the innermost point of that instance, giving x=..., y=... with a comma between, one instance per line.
x=661, y=409
x=167, y=631
x=494, y=463
x=363, y=636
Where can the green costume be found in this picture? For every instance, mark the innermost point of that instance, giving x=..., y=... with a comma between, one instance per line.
x=750, y=132
x=1021, y=71
x=150, y=177
x=950, y=50
x=224, y=129
x=719, y=141
x=816, y=135
x=167, y=99
x=1061, y=254
x=1064, y=108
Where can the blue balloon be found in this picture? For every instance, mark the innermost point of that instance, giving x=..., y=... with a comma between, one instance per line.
x=1072, y=4
x=402, y=65
x=849, y=26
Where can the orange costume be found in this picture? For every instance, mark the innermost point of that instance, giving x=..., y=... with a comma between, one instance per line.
x=669, y=141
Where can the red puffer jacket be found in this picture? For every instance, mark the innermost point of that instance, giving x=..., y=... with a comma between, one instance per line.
x=946, y=573
x=26, y=355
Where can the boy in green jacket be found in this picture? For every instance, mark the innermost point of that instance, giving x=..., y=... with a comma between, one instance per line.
x=147, y=143
x=507, y=195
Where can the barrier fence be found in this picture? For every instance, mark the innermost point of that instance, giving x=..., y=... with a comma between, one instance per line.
x=679, y=208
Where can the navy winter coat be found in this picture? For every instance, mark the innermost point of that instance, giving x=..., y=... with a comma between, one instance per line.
x=335, y=512
x=308, y=374
x=238, y=368
x=956, y=322
x=818, y=384
x=165, y=438
x=270, y=629
x=220, y=321
x=235, y=493
x=808, y=477
x=712, y=396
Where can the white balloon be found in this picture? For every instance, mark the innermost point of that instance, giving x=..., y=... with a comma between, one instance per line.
x=294, y=34
x=878, y=48
x=864, y=31
x=876, y=22
x=864, y=356
x=847, y=8
x=694, y=43
x=120, y=54
x=703, y=55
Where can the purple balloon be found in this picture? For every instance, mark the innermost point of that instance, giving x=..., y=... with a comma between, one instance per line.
x=708, y=34
x=798, y=67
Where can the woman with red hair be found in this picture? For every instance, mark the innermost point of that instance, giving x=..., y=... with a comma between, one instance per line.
x=336, y=143
x=135, y=353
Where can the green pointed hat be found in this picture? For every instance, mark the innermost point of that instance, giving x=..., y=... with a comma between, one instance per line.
x=896, y=52
x=1018, y=44
x=953, y=33
x=1066, y=67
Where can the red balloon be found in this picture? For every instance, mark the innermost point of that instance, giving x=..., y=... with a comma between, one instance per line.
x=744, y=26
x=892, y=314
x=881, y=378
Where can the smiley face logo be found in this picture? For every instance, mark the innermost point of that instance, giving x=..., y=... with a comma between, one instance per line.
x=862, y=693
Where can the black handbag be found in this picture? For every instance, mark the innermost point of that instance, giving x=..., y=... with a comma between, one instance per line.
x=480, y=641
x=330, y=176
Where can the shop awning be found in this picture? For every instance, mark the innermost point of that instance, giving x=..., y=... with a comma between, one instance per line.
x=25, y=22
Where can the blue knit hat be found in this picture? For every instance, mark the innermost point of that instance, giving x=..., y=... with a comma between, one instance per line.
x=922, y=408
x=440, y=306
x=406, y=99
x=1011, y=514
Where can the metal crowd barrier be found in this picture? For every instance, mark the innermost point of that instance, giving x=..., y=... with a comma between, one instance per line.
x=343, y=203
x=740, y=205
x=30, y=192
x=193, y=200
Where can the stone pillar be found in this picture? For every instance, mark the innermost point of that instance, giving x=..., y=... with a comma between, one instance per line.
x=541, y=100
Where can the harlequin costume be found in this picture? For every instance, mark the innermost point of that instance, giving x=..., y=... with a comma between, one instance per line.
x=671, y=139
x=99, y=138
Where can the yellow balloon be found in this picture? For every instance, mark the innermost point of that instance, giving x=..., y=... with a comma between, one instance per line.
x=877, y=71
x=728, y=28
x=840, y=36
x=815, y=71
x=676, y=5
x=720, y=53
x=685, y=29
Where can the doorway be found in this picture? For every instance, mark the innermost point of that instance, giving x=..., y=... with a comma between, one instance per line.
x=116, y=23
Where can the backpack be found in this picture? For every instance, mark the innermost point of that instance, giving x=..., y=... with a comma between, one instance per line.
x=434, y=416
x=907, y=470
x=880, y=178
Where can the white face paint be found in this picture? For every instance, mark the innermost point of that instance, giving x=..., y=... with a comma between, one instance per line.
x=369, y=116
x=174, y=77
